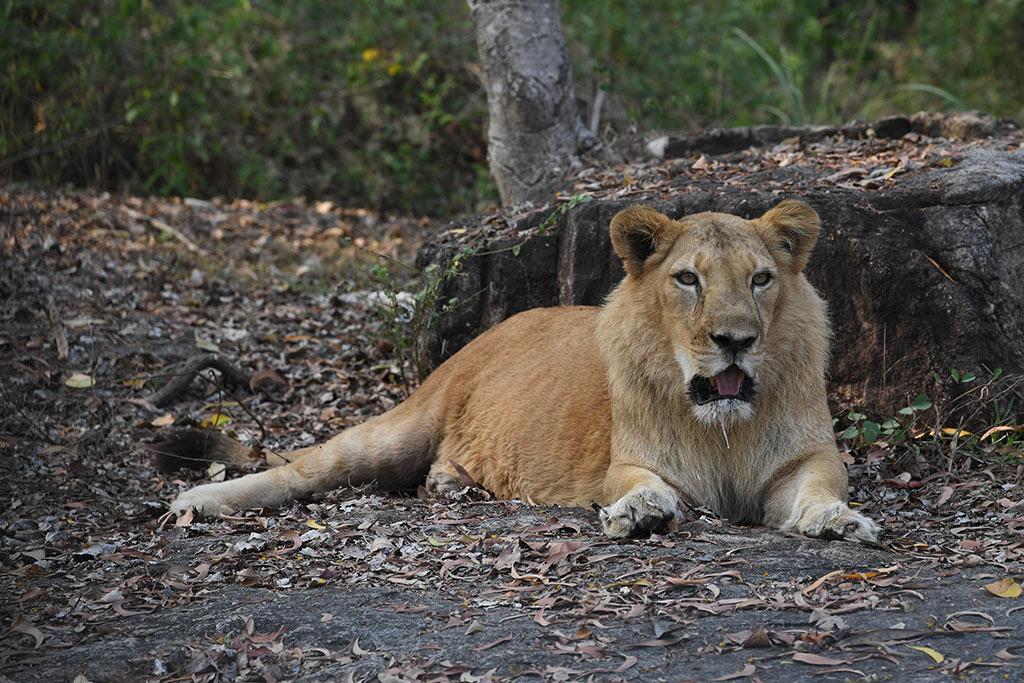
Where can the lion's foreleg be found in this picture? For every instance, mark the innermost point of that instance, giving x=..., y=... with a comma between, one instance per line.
x=643, y=502
x=809, y=495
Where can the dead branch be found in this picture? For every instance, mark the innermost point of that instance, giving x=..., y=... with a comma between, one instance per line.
x=183, y=375
x=32, y=423
x=163, y=226
x=60, y=338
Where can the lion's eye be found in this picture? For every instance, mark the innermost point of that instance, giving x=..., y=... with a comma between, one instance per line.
x=761, y=279
x=687, y=278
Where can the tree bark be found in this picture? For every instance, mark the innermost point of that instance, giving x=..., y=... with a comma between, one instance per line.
x=534, y=132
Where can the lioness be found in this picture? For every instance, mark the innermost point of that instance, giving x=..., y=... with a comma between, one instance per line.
x=701, y=379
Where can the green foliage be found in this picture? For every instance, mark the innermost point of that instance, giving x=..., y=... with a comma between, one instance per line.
x=894, y=430
x=565, y=207
x=738, y=62
x=367, y=101
x=964, y=377
x=407, y=319
x=376, y=103
x=918, y=429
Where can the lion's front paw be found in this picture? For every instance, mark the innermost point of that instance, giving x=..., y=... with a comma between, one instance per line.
x=638, y=514
x=205, y=500
x=441, y=484
x=838, y=521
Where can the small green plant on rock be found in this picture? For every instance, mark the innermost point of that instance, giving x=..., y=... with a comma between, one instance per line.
x=894, y=430
x=921, y=433
x=408, y=316
x=565, y=207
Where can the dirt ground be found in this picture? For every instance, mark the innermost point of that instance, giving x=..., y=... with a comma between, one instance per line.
x=101, y=300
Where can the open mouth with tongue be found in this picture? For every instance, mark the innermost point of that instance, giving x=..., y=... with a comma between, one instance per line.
x=730, y=384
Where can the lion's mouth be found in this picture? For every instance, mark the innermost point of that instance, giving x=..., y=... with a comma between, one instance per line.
x=730, y=384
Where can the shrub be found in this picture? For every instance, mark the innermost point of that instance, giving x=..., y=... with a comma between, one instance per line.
x=367, y=101
x=377, y=103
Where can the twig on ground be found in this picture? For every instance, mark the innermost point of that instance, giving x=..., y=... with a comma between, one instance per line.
x=183, y=375
x=164, y=227
x=60, y=338
x=260, y=443
x=27, y=418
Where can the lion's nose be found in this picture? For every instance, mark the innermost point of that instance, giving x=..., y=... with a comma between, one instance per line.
x=731, y=343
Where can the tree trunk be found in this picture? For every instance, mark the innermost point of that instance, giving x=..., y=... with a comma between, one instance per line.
x=534, y=132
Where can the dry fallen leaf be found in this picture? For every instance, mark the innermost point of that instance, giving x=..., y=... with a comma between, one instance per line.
x=163, y=420
x=216, y=471
x=1001, y=428
x=934, y=654
x=747, y=670
x=758, y=638
x=1004, y=588
x=947, y=493
x=493, y=643
x=79, y=380
x=822, y=579
x=215, y=420
x=817, y=660
x=184, y=519
x=23, y=625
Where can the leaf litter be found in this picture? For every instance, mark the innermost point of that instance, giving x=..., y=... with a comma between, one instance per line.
x=362, y=584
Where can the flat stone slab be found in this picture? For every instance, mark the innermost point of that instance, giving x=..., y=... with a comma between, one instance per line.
x=364, y=586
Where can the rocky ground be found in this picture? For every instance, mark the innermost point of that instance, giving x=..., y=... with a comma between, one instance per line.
x=103, y=298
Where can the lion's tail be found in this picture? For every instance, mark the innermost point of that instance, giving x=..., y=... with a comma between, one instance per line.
x=196, y=449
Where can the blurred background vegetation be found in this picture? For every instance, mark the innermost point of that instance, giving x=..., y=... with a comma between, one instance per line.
x=377, y=103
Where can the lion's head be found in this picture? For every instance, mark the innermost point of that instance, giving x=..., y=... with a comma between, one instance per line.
x=712, y=286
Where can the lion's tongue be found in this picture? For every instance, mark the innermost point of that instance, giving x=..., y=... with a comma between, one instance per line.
x=729, y=381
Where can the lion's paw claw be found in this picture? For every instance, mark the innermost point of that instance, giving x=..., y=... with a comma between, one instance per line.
x=837, y=521
x=441, y=484
x=638, y=515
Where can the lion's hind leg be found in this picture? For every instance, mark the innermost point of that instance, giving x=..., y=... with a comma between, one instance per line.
x=395, y=450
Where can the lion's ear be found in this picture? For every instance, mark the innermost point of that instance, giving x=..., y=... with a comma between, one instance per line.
x=791, y=230
x=637, y=234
